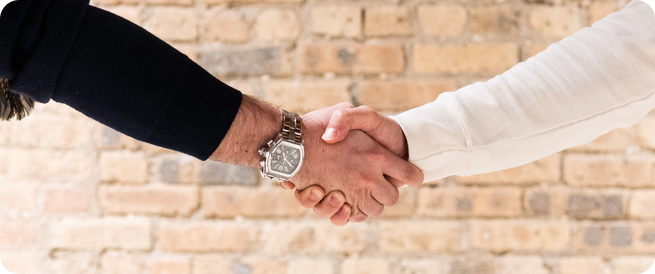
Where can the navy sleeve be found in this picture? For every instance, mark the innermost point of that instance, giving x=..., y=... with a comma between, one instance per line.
x=114, y=72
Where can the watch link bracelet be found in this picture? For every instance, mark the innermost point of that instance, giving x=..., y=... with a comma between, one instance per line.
x=283, y=156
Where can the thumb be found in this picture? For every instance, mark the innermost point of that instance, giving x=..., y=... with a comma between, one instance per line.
x=343, y=120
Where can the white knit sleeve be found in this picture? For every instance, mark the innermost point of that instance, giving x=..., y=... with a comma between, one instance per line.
x=601, y=78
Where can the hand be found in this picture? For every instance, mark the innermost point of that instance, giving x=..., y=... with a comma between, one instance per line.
x=381, y=128
x=362, y=169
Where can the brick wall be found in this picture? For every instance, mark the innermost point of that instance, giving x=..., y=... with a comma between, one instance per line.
x=78, y=197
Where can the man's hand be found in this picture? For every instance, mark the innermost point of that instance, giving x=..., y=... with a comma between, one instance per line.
x=382, y=129
x=365, y=172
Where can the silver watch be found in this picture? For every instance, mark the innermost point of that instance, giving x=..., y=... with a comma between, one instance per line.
x=282, y=157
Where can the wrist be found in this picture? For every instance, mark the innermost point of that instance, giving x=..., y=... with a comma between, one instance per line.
x=256, y=123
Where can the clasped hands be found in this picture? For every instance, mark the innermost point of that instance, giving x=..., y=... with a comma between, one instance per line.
x=358, y=157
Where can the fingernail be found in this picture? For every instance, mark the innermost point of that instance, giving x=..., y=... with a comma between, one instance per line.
x=285, y=185
x=330, y=134
x=335, y=201
x=315, y=195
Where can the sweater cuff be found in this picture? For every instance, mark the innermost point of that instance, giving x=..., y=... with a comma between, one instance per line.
x=196, y=120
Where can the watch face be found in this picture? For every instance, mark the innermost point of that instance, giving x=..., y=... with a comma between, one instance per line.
x=285, y=159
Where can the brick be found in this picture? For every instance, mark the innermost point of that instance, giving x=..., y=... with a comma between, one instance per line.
x=406, y=236
x=212, y=264
x=169, y=171
x=327, y=57
x=478, y=265
x=615, y=141
x=590, y=204
x=630, y=265
x=51, y=132
x=122, y=263
x=424, y=266
x=251, y=1
x=615, y=237
x=375, y=58
x=514, y=264
x=598, y=11
x=180, y=169
x=171, y=265
x=219, y=173
x=260, y=265
x=56, y=109
x=643, y=237
x=130, y=13
x=469, y=202
x=501, y=20
x=245, y=61
x=277, y=25
x=227, y=26
x=337, y=21
x=37, y=164
x=17, y=235
x=387, y=21
x=402, y=95
x=23, y=262
x=405, y=206
x=246, y=87
x=73, y=263
x=300, y=266
x=66, y=200
x=173, y=23
x=365, y=266
x=154, y=199
x=157, y=2
x=641, y=204
x=606, y=170
x=313, y=238
x=17, y=199
x=306, y=96
x=555, y=22
x=546, y=169
x=441, y=20
x=119, y=233
x=546, y=202
x=110, y=139
x=123, y=167
x=535, y=49
x=581, y=265
x=206, y=237
x=645, y=132
x=487, y=58
x=230, y=202
x=520, y=235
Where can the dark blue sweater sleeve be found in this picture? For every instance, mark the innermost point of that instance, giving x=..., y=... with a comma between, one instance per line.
x=114, y=72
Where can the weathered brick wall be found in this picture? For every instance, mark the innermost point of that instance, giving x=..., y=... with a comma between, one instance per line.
x=78, y=197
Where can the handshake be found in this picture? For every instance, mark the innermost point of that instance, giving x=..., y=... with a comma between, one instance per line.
x=358, y=157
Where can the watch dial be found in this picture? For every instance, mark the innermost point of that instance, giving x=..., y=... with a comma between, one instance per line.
x=285, y=159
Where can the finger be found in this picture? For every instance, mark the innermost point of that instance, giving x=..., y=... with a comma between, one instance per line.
x=286, y=185
x=371, y=207
x=330, y=205
x=310, y=196
x=401, y=170
x=341, y=217
x=358, y=217
x=385, y=193
x=344, y=120
x=395, y=182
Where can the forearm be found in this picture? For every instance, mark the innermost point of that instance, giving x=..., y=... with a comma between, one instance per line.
x=599, y=79
x=255, y=124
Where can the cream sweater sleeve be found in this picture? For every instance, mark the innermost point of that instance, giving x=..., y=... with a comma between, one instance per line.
x=601, y=78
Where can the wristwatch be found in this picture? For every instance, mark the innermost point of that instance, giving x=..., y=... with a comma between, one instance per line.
x=283, y=156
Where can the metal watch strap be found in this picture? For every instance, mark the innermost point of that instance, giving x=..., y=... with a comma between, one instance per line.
x=291, y=127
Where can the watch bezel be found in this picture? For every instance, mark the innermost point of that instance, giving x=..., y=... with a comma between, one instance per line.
x=279, y=141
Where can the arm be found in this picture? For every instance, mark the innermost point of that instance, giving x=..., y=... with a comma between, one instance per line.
x=599, y=79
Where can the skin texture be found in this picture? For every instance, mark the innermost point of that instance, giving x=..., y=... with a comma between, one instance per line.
x=358, y=170
x=381, y=128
